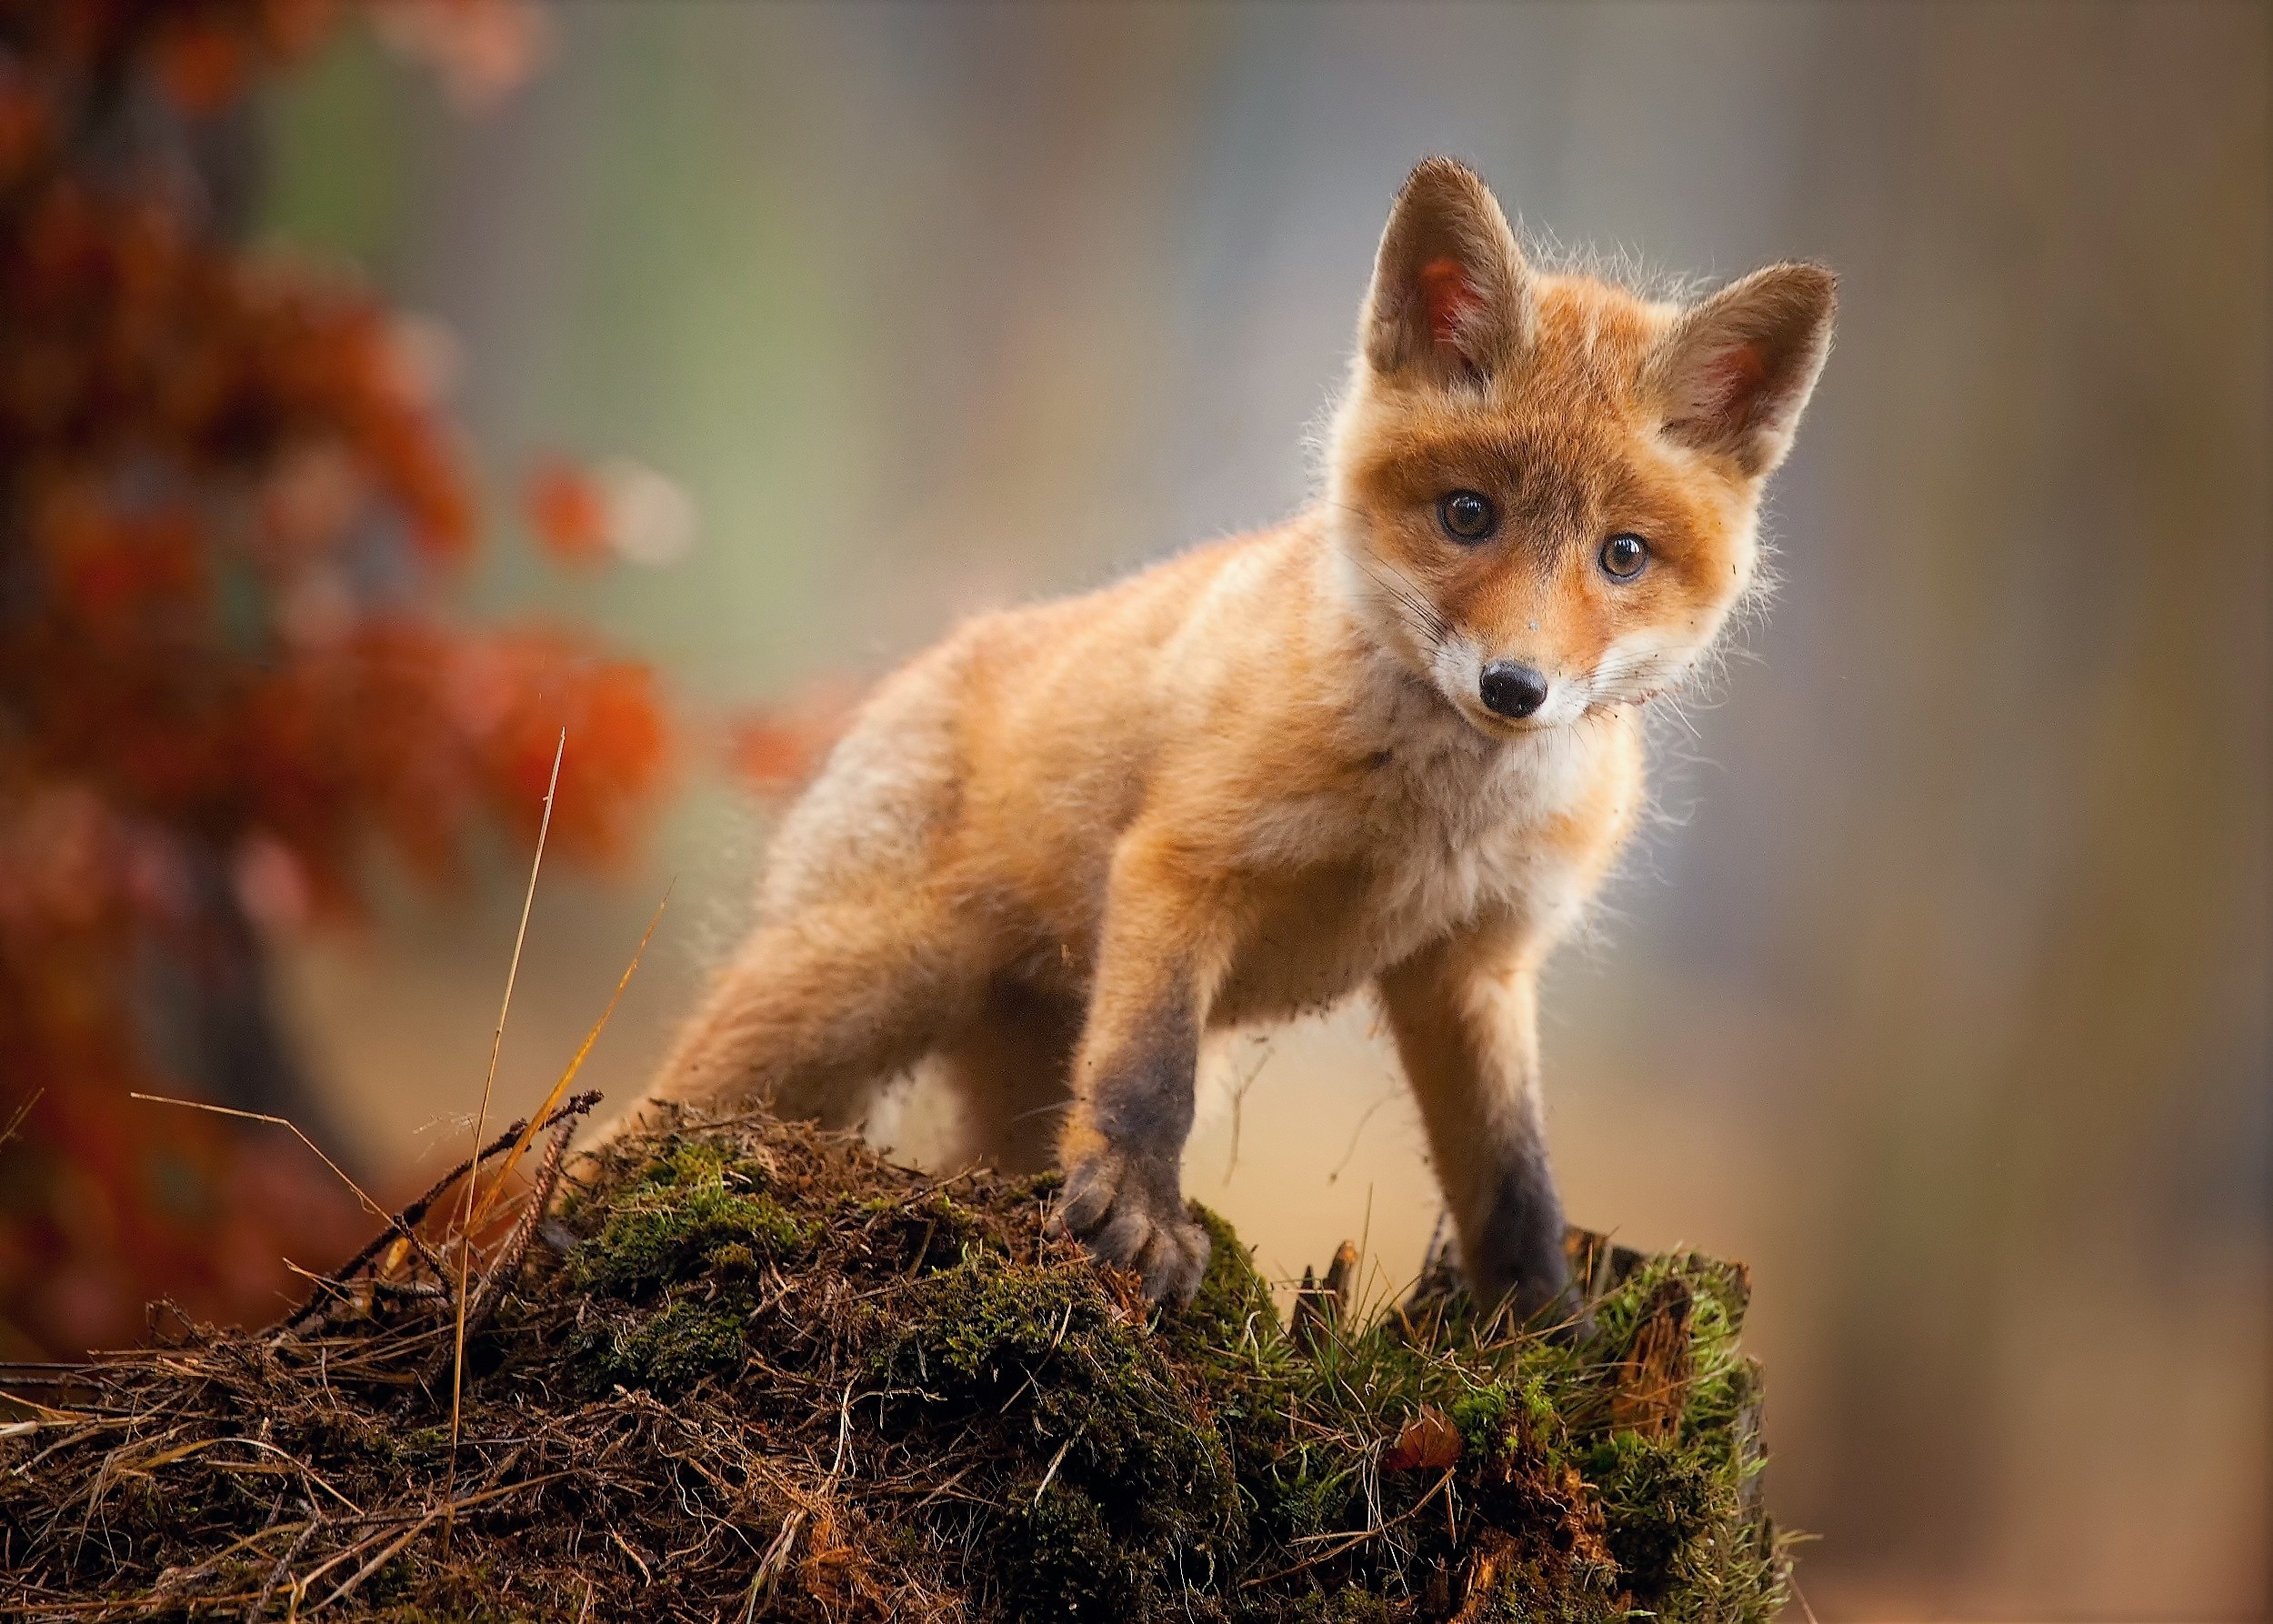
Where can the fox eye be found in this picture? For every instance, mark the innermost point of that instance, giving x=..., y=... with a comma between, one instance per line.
x=1623, y=556
x=1468, y=516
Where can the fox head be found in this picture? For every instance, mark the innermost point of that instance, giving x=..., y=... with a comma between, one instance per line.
x=1545, y=490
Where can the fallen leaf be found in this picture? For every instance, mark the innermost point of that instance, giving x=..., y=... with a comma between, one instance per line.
x=1429, y=1442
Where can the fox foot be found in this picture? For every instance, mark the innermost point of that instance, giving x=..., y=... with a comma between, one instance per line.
x=1540, y=1295
x=1129, y=1211
x=1517, y=1259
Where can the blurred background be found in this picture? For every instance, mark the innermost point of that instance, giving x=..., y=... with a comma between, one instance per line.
x=450, y=375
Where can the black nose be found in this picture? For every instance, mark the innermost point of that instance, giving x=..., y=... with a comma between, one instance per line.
x=1512, y=690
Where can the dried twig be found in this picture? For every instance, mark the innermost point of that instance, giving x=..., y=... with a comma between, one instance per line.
x=283, y=1569
x=1320, y=1306
x=508, y=1264
x=394, y=1223
x=225, y=1111
x=440, y=1513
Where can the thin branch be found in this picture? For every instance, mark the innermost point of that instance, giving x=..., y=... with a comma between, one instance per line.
x=1358, y=1133
x=1262, y=1052
x=406, y=1221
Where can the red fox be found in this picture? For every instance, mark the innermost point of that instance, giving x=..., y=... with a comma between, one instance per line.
x=1392, y=743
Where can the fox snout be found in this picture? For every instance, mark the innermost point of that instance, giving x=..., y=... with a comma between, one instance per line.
x=1510, y=688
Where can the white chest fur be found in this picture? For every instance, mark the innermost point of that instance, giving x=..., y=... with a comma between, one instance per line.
x=1460, y=824
x=1445, y=827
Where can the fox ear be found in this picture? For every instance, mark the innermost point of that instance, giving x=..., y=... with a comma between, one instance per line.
x=1734, y=372
x=1451, y=297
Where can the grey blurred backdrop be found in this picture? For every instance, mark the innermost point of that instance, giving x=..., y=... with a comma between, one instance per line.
x=1940, y=990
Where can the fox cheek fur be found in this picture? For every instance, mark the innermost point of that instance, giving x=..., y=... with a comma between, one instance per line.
x=1390, y=744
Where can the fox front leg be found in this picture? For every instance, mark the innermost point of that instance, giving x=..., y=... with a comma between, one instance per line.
x=1464, y=1014
x=1123, y=1148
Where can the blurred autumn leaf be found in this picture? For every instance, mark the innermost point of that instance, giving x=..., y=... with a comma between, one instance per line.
x=567, y=511
x=775, y=750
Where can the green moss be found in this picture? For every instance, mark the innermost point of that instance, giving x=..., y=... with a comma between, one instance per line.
x=930, y=1234
x=667, y=1351
x=1658, y=1495
x=1352, y=1606
x=1232, y=1313
x=425, y=1443
x=1132, y=1490
x=1679, y=1528
x=681, y=1240
x=692, y=1209
x=1065, y=1560
x=1153, y=1447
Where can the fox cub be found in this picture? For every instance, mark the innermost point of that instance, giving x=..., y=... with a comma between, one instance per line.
x=1393, y=743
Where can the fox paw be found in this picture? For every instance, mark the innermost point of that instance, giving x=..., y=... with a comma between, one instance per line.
x=1131, y=1213
x=1535, y=1282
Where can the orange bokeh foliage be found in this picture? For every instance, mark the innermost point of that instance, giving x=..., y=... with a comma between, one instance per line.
x=567, y=510
x=776, y=750
x=230, y=509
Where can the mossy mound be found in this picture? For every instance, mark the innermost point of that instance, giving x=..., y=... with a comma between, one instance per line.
x=760, y=1373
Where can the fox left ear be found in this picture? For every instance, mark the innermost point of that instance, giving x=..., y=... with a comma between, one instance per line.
x=1733, y=373
x=1451, y=297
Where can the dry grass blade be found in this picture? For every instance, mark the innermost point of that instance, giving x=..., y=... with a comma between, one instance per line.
x=223, y=1110
x=348, y=1586
x=481, y=1119
x=15, y=1122
x=560, y=1089
x=516, y=1247
x=405, y=1224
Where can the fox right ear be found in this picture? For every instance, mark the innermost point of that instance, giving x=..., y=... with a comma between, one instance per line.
x=1733, y=374
x=1451, y=297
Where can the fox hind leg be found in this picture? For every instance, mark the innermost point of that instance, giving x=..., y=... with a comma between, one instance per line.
x=819, y=1009
x=1012, y=1069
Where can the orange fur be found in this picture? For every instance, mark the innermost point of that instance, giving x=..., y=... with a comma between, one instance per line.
x=1071, y=839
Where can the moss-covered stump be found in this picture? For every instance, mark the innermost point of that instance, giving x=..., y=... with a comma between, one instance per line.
x=761, y=1373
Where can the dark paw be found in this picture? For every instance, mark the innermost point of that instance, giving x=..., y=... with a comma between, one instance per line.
x=1562, y=1313
x=1130, y=1212
x=1537, y=1291
x=1531, y=1283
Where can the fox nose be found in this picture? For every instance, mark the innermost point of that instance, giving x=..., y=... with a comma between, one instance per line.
x=1512, y=690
